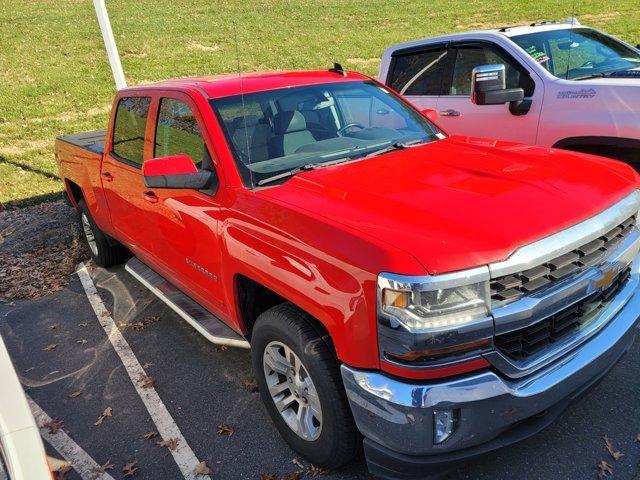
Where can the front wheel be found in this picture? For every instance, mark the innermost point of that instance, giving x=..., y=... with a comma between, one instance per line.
x=301, y=387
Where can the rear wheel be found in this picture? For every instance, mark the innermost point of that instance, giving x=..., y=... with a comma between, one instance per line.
x=105, y=252
x=301, y=387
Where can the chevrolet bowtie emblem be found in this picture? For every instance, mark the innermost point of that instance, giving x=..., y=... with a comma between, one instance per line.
x=609, y=274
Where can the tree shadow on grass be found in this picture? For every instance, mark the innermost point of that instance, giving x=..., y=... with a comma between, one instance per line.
x=28, y=168
x=25, y=202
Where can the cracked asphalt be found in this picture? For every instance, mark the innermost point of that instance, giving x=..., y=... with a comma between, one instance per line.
x=203, y=386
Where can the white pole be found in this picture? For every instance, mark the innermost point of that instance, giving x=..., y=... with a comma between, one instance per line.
x=110, y=44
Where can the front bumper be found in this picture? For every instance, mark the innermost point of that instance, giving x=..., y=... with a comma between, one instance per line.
x=396, y=417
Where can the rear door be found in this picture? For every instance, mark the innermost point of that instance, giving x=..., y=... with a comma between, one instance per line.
x=418, y=73
x=186, y=222
x=120, y=174
x=459, y=116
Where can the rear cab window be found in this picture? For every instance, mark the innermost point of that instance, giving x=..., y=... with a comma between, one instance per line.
x=419, y=72
x=129, y=129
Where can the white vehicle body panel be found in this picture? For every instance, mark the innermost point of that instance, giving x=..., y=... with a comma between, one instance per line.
x=561, y=109
x=20, y=440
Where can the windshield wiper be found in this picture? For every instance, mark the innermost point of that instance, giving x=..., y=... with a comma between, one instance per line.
x=397, y=146
x=303, y=168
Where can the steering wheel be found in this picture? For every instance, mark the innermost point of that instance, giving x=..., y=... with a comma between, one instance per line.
x=343, y=130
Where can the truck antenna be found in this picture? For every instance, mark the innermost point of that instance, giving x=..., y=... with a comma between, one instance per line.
x=110, y=44
x=573, y=22
x=244, y=110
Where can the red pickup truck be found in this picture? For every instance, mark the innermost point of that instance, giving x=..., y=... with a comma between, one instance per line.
x=439, y=296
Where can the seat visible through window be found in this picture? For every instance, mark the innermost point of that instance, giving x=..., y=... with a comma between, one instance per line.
x=251, y=138
x=291, y=133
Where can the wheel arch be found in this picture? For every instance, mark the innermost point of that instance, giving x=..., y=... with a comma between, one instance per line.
x=619, y=148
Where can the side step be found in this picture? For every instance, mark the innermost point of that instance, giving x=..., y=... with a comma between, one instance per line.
x=213, y=329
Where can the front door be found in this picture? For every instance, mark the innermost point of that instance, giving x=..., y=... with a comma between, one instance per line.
x=186, y=222
x=458, y=116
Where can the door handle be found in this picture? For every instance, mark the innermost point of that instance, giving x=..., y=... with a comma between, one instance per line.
x=107, y=177
x=150, y=197
x=450, y=113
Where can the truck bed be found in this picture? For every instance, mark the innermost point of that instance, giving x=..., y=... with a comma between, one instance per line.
x=92, y=141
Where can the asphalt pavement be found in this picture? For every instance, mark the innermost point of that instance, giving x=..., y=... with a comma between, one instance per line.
x=204, y=386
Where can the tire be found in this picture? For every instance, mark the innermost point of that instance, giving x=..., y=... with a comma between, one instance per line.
x=104, y=251
x=338, y=440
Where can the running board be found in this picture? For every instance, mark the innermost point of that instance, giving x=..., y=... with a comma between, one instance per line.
x=210, y=326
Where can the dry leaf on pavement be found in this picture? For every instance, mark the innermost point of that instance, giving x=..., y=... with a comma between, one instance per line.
x=105, y=466
x=221, y=348
x=50, y=347
x=150, y=435
x=137, y=326
x=54, y=326
x=147, y=365
x=75, y=394
x=604, y=469
x=313, y=470
x=54, y=426
x=249, y=384
x=82, y=341
x=82, y=324
x=612, y=451
x=268, y=476
x=108, y=412
x=224, y=429
x=130, y=468
x=298, y=463
x=293, y=475
x=202, y=469
x=146, y=381
x=152, y=319
x=171, y=444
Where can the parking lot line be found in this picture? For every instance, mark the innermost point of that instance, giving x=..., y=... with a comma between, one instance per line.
x=167, y=428
x=82, y=463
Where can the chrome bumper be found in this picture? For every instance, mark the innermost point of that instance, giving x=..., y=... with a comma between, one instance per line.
x=398, y=415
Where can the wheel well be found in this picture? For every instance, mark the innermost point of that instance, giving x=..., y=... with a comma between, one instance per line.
x=253, y=299
x=74, y=192
x=624, y=149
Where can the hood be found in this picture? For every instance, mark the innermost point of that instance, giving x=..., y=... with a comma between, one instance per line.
x=461, y=202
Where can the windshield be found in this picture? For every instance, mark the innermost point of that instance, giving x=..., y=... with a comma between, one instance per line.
x=287, y=129
x=578, y=53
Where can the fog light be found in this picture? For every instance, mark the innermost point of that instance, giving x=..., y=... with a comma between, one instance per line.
x=444, y=424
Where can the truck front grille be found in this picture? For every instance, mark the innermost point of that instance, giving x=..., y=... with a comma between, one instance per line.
x=512, y=287
x=526, y=342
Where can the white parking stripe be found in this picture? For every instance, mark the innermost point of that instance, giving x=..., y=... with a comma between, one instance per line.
x=73, y=453
x=167, y=428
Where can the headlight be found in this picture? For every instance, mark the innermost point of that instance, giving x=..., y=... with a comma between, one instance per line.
x=434, y=303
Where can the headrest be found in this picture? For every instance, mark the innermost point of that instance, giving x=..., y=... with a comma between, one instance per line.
x=287, y=122
x=249, y=121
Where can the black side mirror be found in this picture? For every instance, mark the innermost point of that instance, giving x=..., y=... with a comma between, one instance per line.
x=488, y=87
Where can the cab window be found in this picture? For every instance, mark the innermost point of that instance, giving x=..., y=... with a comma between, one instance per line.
x=419, y=73
x=177, y=132
x=129, y=128
x=467, y=58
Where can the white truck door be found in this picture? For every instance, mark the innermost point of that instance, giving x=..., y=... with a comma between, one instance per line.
x=417, y=73
x=458, y=116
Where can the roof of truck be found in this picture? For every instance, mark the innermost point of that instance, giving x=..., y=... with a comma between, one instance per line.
x=216, y=86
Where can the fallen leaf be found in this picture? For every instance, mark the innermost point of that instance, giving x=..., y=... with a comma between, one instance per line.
x=268, y=476
x=221, y=348
x=62, y=472
x=137, y=326
x=56, y=464
x=202, y=469
x=152, y=319
x=108, y=465
x=54, y=326
x=54, y=426
x=610, y=448
x=293, y=475
x=108, y=412
x=50, y=347
x=130, y=468
x=249, y=384
x=298, y=463
x=75, y=394
x=224, y=429
x=81, y=342
x=146, y=381
x=147, y=365
x=82, y=324
x=313, y=470
x=150, y=435
x=30, y=369
x=604, y=469
x=171, y=444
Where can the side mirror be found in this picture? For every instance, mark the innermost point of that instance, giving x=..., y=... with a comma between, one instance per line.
x=430, y=114
x=176, y=171
x=488, y=87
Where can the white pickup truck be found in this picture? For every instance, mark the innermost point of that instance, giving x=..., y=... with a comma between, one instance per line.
x=580, y=88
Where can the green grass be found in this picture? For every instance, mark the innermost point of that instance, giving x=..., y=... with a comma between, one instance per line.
x=55, y=77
